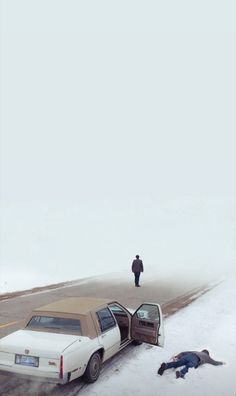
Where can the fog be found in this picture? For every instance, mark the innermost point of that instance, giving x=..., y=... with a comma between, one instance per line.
x=117, y=138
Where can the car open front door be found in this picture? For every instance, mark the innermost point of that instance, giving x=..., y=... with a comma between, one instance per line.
x=147, y=324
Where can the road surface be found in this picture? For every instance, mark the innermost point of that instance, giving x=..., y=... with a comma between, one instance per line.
x=15, y=308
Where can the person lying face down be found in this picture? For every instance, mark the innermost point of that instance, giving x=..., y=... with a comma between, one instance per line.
x=188, y=360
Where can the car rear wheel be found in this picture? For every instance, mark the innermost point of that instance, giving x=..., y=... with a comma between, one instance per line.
x=93, y=368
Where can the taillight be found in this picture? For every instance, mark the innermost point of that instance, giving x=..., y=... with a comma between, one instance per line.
x=61, y=367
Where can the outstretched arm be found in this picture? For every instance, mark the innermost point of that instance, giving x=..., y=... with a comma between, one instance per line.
x=215, y=362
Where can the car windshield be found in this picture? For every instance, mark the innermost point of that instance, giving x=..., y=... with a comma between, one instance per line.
x=55, y=324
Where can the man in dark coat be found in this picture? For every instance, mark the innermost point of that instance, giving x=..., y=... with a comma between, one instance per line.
x=137, y=268
x=188, y=359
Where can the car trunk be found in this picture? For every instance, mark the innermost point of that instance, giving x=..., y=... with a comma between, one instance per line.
x=33, y=352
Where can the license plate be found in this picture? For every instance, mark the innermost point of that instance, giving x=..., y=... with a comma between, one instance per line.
x=27, y=360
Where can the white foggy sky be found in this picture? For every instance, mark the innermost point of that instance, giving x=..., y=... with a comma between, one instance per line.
x=117, y=134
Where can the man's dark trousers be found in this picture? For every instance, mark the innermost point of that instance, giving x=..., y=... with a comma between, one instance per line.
x=190, y=360
x=136, y=278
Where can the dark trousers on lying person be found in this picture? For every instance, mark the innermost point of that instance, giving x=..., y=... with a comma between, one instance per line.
x=188, y=361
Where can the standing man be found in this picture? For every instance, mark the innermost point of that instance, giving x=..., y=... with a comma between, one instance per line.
x=137, y=268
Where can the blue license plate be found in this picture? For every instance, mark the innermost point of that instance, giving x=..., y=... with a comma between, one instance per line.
x=25, y=360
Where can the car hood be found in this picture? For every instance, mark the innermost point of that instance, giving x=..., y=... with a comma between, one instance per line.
x=38, y=343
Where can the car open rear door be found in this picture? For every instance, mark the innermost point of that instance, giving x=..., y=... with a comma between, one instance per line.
x=147, y=324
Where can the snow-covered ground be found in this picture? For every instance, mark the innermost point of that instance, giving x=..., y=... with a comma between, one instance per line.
x=208, y=323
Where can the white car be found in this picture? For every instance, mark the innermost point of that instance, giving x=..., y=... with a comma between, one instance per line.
x=69, y=338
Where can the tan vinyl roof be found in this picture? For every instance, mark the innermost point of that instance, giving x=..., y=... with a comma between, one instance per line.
x=74, y=305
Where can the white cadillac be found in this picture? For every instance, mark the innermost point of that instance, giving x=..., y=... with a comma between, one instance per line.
x=69, y=338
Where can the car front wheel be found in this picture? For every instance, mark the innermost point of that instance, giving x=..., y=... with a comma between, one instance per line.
x=93, y=368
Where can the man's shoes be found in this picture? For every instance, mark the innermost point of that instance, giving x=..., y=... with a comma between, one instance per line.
x=162, y=368
x=179, y=374
x=138, y=286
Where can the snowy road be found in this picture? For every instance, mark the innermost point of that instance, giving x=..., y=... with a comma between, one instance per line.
x=11, y=309
x=15, y=307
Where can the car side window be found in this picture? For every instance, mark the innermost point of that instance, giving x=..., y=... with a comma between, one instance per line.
x=106, y=320
x=149, y=312
x=116, y=309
